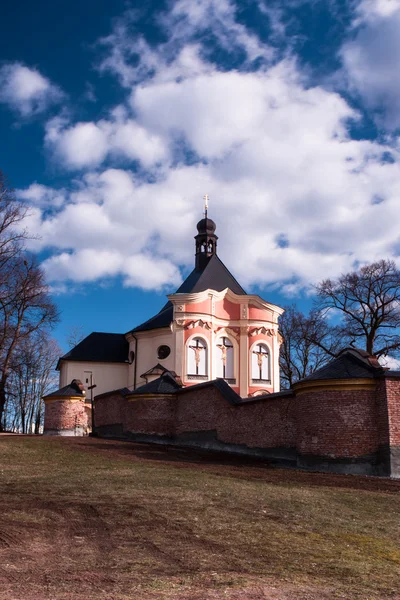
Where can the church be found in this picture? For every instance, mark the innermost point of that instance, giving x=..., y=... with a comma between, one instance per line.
x=209, y=328
x=204, y=373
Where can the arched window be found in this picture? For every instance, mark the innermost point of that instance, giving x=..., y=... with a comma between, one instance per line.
x=197, y=359
x=224, y=353
x=260, y=363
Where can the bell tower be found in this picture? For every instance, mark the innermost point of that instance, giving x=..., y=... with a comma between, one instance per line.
x=206, y=240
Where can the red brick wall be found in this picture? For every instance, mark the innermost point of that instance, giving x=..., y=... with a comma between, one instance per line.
x=109, y=410
x=337, y=424
x=151, y=416
x=266, y=423
x=65, y=415
x=393, y=408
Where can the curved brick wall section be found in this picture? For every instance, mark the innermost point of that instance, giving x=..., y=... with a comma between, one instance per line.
x=65, y=417
x=339, y=424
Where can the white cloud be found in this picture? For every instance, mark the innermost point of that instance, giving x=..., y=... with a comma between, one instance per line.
x=371, y=59
x=390, y=362
x=88, y=265
x=132, y=59
x=370, y=10
x=273, y=152
x=42, y=196
x=25, y=90
x=86, y=145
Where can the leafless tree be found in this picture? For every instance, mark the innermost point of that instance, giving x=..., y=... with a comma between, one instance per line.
x=367, y=302
x=32, y=375
x=75, y=335
x=308, y=343
x=25, y=304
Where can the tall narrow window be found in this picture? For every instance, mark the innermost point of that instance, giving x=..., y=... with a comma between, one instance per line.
x=225, y=366
x=260, y=363
x=197, y=359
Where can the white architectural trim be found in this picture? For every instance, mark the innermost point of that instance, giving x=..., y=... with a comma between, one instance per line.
x=179, y=300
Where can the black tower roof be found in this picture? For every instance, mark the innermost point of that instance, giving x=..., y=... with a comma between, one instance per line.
x=209, y=273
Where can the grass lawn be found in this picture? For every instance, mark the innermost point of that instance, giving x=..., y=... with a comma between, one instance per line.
x=86, y=518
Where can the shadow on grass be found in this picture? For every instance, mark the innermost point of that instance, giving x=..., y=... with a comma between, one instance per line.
x=248, y=467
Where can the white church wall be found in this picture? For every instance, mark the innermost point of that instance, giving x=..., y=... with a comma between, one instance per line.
x=146, y=354
x=106, y=376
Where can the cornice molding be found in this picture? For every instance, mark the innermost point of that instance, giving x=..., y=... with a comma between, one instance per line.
x=178, y=300
x=303, y=387
x=69, y=398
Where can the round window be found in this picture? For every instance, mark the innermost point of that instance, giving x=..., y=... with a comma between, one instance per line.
x=163, y=352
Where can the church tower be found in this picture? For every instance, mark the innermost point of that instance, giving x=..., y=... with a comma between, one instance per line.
x=206, y=240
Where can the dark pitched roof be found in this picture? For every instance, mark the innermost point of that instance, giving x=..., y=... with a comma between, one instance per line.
x=165, y=384
x=224, y=388
x=214, y=276
x=158, y=370
x=161, y=319
x=100, y=347
x=121, y=391
x=350, y=364
x=71, y=389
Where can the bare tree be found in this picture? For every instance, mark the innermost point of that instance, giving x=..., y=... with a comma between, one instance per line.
x=368, y=304
x=25, y=304
x=75, y=335
x=308, y=343
x=31, y=376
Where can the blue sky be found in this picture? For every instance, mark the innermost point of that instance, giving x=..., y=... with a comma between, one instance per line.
x=116, y=118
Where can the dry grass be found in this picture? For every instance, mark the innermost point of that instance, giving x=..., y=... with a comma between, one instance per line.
x=85, y=518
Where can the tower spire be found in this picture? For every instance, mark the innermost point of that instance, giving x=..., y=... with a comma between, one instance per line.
x=206, y=240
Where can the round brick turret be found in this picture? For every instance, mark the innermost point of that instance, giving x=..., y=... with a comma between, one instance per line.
x=66, y=411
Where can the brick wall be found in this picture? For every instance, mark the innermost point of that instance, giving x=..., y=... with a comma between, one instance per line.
x=393, y=407
x=152, y=416
x=65, y=415
x=110, y=409
x=337, y=424
x=354, y=431
x=265, y=423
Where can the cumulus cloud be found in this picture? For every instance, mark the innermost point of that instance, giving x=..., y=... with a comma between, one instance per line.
x=295, y=198
x=25, y=90
x=88, y=144
x=132, y=59
x=42, y=196
x=371, y=59
x=89, y=264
